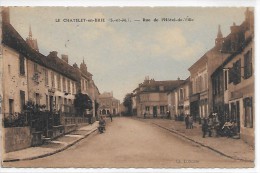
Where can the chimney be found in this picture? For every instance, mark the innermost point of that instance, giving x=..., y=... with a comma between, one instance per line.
x=5, y=15
x=75, y=65
x=65, y=58
x=54, y=53
x=234, y=29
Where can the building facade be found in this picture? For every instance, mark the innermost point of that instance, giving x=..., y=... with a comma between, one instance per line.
x=200, y=72
x=233, y=81
x=47, y=81
x=108, y=104
x=178, y=99
x=151, y=97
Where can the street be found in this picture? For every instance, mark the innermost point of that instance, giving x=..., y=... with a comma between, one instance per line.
x=129, y=142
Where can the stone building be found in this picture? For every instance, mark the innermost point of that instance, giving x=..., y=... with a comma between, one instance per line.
x=233, y=81
x=200, y=72
x=151, y=96
x=108, y=104
x=87, y=86
x=178, y=99
x=31, y=76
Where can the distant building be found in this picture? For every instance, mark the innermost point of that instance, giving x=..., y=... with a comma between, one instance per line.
x=151, y=96
x=178, y=99
x=31, y=41
x=108, y=104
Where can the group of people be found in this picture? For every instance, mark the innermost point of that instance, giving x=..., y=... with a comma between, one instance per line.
x=209, y=124
x=212, y=124
x=188, y=121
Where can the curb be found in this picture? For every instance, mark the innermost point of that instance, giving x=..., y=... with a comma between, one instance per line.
x=53, y=152
x=206, y=146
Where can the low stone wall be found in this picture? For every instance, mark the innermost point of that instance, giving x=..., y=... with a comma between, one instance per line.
x=73, y=120
x=58, y=131
x=70, y=128
x=36, y=139
x=16, y=138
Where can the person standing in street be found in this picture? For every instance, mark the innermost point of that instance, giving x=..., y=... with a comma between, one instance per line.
x=187, y=121
x=204, y=127
x=110, y=116
x=190, y=122
x=210, y=124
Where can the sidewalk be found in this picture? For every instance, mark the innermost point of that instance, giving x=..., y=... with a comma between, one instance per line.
x=51, y=147
x=228, y=147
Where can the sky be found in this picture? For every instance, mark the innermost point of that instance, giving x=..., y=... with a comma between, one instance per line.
x=121, y=54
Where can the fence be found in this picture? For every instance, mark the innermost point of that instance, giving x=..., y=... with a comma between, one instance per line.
x=15, y=119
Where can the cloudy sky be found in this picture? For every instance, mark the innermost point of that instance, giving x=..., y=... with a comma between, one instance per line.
x=121, y=54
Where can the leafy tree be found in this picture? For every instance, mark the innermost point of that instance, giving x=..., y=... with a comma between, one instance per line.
x=82, y=102
x=128, y=103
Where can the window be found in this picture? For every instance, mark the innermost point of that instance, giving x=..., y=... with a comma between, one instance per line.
x=47, y=103
x=35, y=67
x=64, y=83
x=46, y=77
x=58, y=79
x=22, y=100
x=147, y=108
x=181, y=94
x=86, y=83
x=37, y=98
x=248, y=107
x=11, y=106
x=214, y=85
x=52, y=80
x=206, y=81
x=237, y=72
x=22, y=67
x=72, y=85
x=226, y=79
x=69, y=86
x=162, y=110
x=248, y=64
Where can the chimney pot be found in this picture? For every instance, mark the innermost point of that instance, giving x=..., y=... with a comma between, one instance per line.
x=54, y=53
x=65, y=58
x=5, y=15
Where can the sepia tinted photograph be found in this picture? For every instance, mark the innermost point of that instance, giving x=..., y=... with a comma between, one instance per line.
x=127, y=87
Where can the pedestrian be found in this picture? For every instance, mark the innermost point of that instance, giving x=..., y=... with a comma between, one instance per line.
x=186, y=121
x=111, y=118
x=204, y=127
x=144, y=115
x=190, y=122
x=210, y=124
x=168, y=114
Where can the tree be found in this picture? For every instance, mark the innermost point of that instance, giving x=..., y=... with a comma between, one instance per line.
x=82, y=102
x=128, y=103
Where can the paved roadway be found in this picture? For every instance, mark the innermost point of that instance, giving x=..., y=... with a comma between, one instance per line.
x=132, y=143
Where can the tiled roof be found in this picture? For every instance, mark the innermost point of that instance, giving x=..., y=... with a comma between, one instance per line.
x=154, y=86
x=12, y=39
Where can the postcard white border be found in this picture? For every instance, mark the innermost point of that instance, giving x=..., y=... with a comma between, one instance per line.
x=156, y=3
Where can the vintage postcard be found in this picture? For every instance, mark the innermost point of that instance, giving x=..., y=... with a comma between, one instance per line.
x=127, y=87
